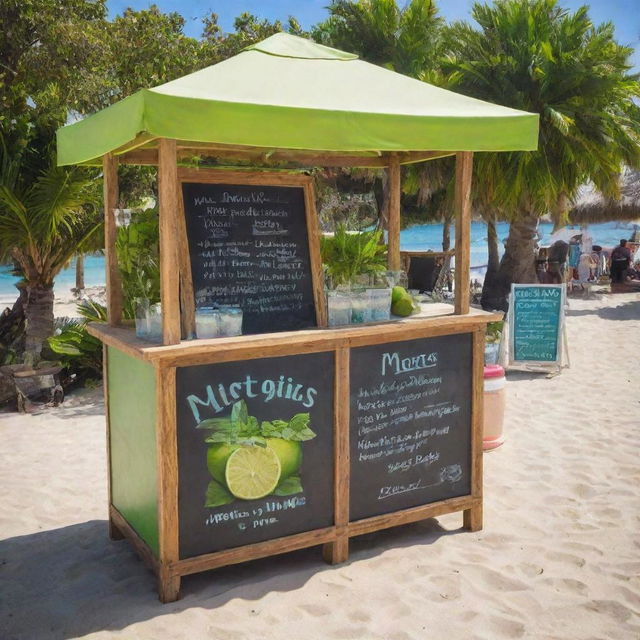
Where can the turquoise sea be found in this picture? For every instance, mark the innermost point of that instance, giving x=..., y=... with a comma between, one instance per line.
x=416, y=238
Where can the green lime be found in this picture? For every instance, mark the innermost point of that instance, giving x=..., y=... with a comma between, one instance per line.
x=403, y=306
x=289, y=453
x=397, y=293
x=217, y=457
x=252, y=472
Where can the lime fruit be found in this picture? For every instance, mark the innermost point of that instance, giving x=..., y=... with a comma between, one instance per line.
x=403, y=306
x=289, y=453
x=397, y=293
x=252, y=472
x=217, y=457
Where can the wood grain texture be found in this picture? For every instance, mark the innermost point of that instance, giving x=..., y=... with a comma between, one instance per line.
x=313, y=233
x=464, y=169
x=261, y=156
x=254, y=551
x=111, y=196
x=235, y=176
x=140, y=546
x=473, y=516
x=168, y=585
x=187, y=297
x=338, y=550
x=169, y=208
x=114, y=531
x=414, y=514
x=167, y=461
x=286, y=342
x=393, y=251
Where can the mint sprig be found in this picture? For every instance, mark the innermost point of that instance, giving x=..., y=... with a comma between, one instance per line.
x=241, y=428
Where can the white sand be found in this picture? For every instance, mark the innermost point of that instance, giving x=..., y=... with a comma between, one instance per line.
x=559, y=556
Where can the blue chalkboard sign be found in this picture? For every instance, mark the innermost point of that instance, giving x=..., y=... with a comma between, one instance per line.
x=536, y=315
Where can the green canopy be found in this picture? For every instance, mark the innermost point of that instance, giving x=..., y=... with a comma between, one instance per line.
x=290, y=93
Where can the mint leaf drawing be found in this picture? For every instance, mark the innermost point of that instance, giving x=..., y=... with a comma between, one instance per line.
x=289, y=487
x=217, y=495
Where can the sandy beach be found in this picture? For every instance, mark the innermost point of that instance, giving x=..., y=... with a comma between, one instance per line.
x=559, y=556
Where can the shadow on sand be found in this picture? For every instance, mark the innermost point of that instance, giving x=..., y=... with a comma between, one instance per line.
x=626, y=311
x=68, y=582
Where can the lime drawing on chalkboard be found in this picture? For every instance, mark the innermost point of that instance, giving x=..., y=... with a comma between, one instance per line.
x=249, y=460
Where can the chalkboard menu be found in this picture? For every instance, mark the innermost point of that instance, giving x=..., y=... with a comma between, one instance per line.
x=410, y=421
x=249, y=247
x=255, y=450
x=535, y=322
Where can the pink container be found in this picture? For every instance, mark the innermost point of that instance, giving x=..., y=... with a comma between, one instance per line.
x=494, y=402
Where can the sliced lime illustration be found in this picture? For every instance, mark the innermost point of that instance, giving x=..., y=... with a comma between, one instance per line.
x=289, y=453
x=217, y=457
x=252, y=472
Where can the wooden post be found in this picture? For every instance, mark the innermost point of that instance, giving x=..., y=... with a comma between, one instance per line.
x=464, y=168
x=167, y=465
x=338, y=551
x=169, y=208
x=472, y=518
x=114, y=282
x=393, y=214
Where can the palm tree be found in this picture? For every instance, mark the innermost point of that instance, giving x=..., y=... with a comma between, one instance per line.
x=43, y=223
x=536, y=56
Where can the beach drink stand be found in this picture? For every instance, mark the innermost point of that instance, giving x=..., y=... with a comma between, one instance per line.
x=293, y=434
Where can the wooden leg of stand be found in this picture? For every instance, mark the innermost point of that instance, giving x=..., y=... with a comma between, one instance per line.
x=336, y=552
x=472, y=518
x=114, y=532
x=168, y=586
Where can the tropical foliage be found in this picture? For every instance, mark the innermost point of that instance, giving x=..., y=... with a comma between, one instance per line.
x=536, y=56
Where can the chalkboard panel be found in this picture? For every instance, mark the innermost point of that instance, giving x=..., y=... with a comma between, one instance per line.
x=410, y=424
x=536, y=322
x=282, y=403
x=249, y=246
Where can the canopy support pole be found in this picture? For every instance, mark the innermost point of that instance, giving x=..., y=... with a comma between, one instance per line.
x=114, y=282
x=169, y=209
x=464, y=168
x=393, y=214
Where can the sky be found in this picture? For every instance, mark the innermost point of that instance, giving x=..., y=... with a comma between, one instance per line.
x=625, y=14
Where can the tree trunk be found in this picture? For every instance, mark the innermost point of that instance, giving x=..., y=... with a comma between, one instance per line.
x=517, y=265
x=446, y=233
x=12, y=327
x=38, y=313
x=494, y=260
x=79, y=272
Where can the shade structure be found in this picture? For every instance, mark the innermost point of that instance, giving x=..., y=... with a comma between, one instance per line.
x=287, y=92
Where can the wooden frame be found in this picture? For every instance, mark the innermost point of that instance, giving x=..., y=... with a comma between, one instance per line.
x=222, y=176
x=335, y=539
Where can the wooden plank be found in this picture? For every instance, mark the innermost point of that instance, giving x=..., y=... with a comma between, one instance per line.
x=464, y=168
x=285, y=343
x=473, y=517
x=317, y=274
x=265, y=156
x=393, y=216
x=233, y=176
x=114, y=532
x=338, y=550
x=414, y=514
x=254, y=551
x=187, y=297
x=167, y=464
x=169, y=208
x=114, y=281
x=139, y=545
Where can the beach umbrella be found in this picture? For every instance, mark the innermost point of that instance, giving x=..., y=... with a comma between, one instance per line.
x=565, y=234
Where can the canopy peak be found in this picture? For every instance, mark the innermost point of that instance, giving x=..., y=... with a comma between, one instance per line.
x=287, y=46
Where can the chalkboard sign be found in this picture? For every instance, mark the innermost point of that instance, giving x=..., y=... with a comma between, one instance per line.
x=535, y=323
x=255, y=450
x=249, y=247
x=410, y=424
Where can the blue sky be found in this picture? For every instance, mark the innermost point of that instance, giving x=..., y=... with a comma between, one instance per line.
x=625, y=14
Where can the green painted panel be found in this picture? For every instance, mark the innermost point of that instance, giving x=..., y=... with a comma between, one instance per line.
x=132, y=416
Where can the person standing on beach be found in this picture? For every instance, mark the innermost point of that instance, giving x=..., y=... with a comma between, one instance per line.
x=556, y=260
x=620, y=260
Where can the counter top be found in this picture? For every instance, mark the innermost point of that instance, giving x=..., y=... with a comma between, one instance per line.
x=434, y=319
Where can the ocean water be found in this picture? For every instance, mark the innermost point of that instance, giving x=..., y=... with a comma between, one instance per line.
x=415, y=238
